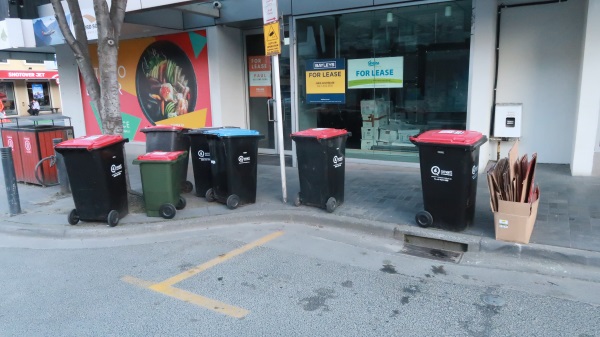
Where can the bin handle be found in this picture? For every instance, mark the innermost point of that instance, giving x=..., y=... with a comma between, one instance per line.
x=269, y=103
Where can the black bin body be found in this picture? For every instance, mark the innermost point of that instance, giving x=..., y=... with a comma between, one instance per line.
x=321, y=153
x=234, y=156
x=96, y=169
x=200, y=154
x=169, y=138
x=449, y=162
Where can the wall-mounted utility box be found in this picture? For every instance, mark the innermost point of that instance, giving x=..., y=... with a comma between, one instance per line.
x=507, y=120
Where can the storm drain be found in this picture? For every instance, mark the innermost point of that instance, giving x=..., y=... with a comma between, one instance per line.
x=440, y=250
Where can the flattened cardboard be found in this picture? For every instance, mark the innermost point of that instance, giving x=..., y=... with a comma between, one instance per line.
x=514, y=221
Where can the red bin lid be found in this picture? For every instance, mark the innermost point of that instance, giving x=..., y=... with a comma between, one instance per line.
x=159, y=128
x=448, y=137
x=160, y=156
x=320, y=133
x=90, y=142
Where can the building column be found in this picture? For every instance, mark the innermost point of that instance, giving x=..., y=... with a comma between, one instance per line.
x=481, y=72
x=70, y=88
x=586, y=125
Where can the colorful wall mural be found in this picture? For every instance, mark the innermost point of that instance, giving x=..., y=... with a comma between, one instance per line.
x=163, y=80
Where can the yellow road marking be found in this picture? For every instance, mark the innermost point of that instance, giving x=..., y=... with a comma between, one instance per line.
x=201, y=301
x=221, y=258
x=166, y=287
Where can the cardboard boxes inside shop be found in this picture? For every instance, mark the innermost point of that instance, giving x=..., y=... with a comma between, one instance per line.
x=378, y=129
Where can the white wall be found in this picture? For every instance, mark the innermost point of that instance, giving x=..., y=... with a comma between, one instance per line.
x=481, y=73
x=586, y=128
x=70, y=88
x=539, y=66
x=227, y=81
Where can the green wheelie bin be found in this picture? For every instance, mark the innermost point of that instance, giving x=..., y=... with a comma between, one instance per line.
x=161, y=182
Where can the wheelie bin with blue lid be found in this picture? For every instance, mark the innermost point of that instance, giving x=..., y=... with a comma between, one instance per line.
x=234, y=154
x=169, y=138
x=96, y=169
x=449, y=168
x=200, y=155
x=321, y=170
x=161, y=178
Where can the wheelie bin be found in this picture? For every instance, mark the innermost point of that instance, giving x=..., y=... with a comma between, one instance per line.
x=234, y=155
x=449, y=168
x=96, y=169
x=169, y=138
x=321, y=170
x=161, y=178
x=200, y=155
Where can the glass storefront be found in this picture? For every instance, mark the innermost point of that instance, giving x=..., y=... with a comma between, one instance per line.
x=7, y=95
x=39, y=91
x=385, y=75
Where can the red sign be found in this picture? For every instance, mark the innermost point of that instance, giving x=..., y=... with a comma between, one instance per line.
x=28, y=74
x=259, y=75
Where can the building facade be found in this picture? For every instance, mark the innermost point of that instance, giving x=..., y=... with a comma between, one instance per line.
x=509, y=69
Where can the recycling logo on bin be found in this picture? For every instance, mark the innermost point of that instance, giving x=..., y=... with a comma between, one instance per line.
x=27, y=144
x=474, y=171
x=116, y=170
x=243, y=159
x=338, y=161
x=9, y=142
x=440, y=175
x=203, y=156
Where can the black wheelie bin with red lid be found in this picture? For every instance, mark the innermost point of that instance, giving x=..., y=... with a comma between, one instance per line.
x=449, y=168
x=321, y=170
x=96, y=169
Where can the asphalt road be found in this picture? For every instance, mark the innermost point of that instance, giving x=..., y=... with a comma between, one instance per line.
x=282, y=280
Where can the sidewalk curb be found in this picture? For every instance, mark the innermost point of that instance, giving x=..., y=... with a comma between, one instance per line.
x=307, y=217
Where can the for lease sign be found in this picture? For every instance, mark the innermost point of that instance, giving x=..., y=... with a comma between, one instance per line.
x=385, y=72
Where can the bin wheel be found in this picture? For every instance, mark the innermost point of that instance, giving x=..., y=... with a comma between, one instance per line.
x=113, y=218
x=424, y=219
x=210, y=195
x=167, y=211
x=181, y=203
x=187, y=186
x=297, y=200
x=233, y=201
x=331, y=204
x=73, y=217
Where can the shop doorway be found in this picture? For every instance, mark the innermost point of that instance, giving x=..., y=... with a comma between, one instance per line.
x=261, y=106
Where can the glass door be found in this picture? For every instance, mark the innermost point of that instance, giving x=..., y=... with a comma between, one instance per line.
x=261, y=106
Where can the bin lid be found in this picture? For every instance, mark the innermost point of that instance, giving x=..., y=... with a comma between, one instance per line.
x=320, y=133
x=160, y=156
x=163, y=128
x=209, y=128
x=233, y=132
x=448, y=137
x=90, y=142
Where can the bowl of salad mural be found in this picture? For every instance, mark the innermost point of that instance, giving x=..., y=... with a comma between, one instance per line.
x=165, y=82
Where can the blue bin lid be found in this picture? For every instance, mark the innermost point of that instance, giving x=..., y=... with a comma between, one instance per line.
x=233, y=132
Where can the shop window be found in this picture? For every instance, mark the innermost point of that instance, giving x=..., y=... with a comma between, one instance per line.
x=39, y=91
x=406, y=71
x=7, y=95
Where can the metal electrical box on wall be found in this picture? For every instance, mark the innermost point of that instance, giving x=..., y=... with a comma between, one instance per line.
x=507, y=120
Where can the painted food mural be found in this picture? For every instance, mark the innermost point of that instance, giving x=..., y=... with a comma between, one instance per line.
x=165, y=82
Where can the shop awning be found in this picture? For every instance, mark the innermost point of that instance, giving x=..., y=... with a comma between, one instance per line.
x=28, y=74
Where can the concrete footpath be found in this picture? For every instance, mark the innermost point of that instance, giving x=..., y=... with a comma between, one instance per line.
x=379, y=200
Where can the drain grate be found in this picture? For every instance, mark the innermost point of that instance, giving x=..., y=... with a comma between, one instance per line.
x=432, y=253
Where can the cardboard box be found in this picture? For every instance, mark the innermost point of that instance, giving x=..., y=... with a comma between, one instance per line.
x=370, y=121
x=366, y=144
x=514, y=221
x=375, y=107
x=388, y=135
x=403, y=135
x=370, y=133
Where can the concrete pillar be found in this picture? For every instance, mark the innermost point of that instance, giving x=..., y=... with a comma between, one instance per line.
x=70, y=88
x=586, y=126
x=481, y=72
